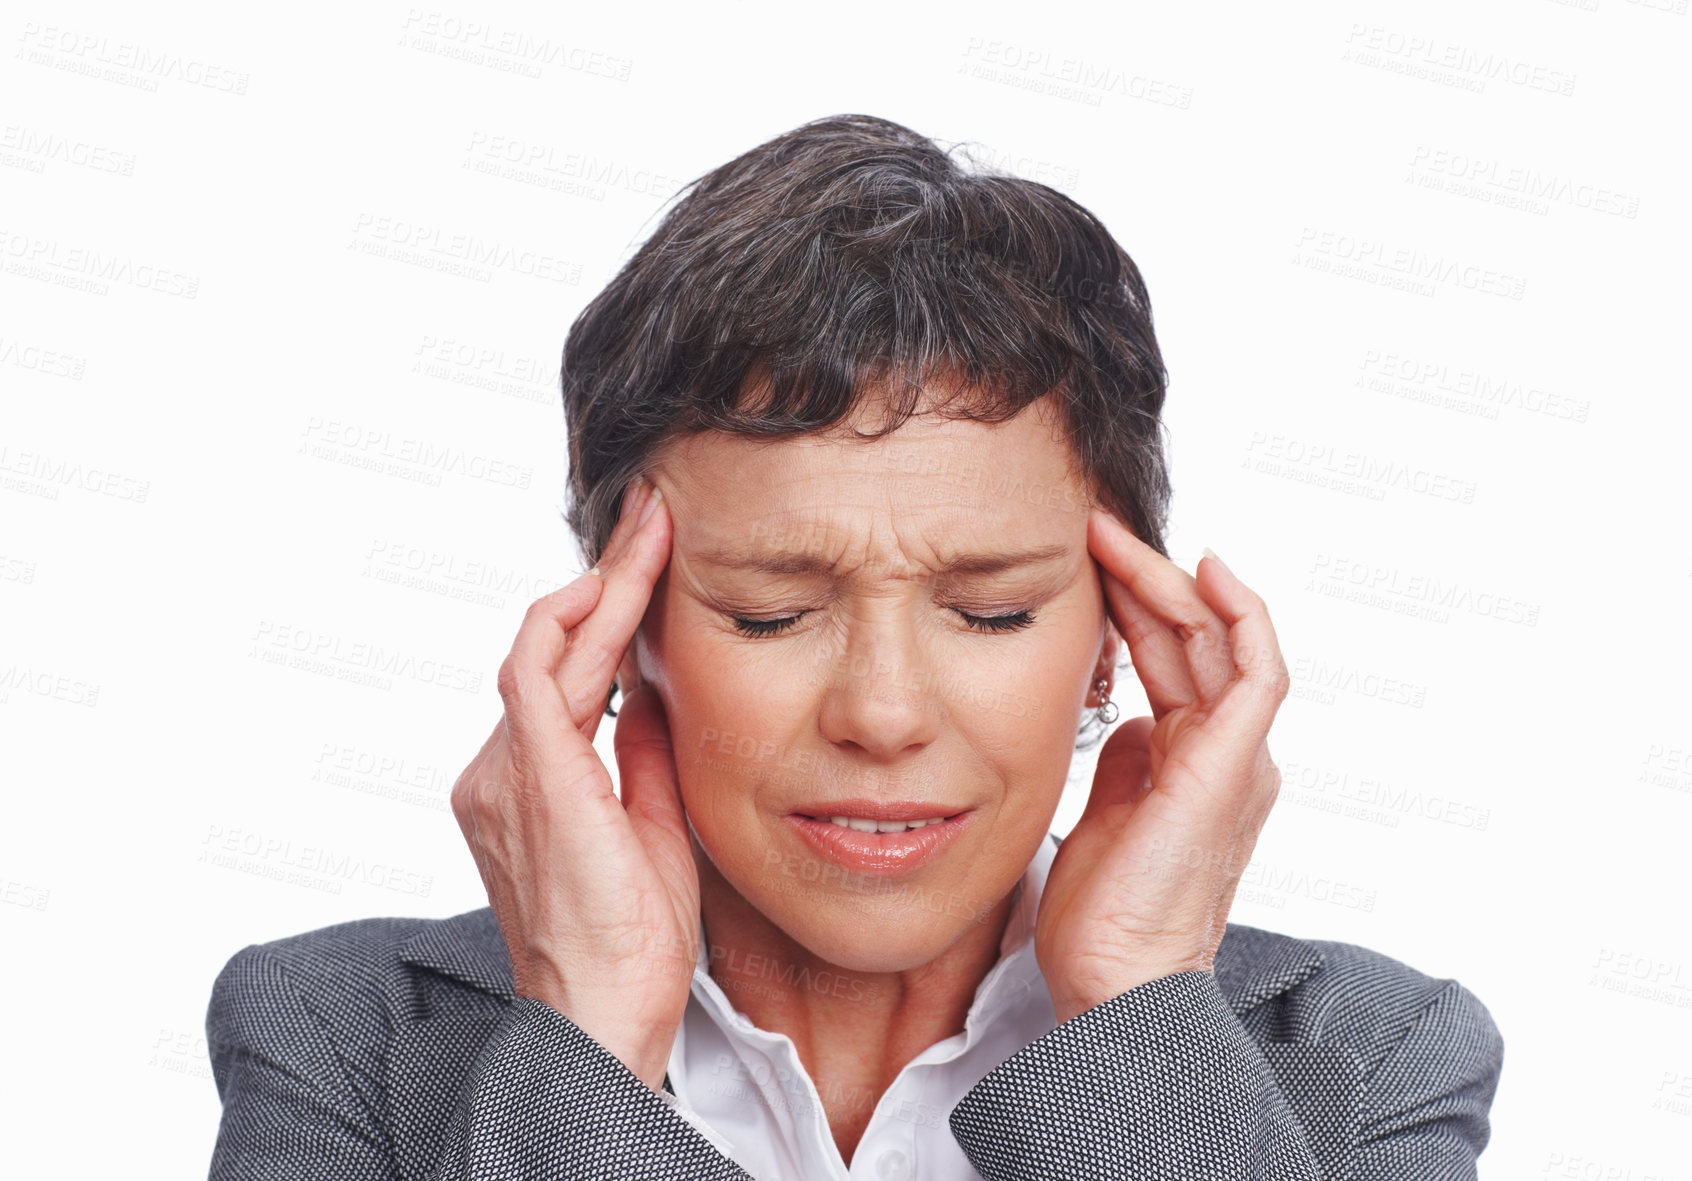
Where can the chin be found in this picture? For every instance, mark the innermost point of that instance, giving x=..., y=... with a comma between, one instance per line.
x=863, y=934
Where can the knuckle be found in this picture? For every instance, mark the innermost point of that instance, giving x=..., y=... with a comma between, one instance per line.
x=464, y=811
x=1266, y=670
x=1190, y=628
x=581, y=769
x=540, y=607
x=466, y=794
x=511, y=680
x=1139, y=630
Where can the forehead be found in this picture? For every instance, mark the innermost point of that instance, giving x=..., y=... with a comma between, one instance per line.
x=947, y=487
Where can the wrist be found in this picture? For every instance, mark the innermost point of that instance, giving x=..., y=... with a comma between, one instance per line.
x=638, y=1041
x=648, y=1059
x=1070, y=1003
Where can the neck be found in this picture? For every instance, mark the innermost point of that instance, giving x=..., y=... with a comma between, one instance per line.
x=854, y=1030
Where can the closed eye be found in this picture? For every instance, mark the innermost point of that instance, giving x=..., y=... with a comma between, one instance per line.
x=1015, y=621
x=764, y=627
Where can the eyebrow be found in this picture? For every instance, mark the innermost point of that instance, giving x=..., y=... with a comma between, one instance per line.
x=798, y=563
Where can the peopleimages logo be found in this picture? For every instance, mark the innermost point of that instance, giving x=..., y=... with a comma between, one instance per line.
x=336, y=439
x=1344, y=469
x=313, y=866
x=1469, y=389
x=35, y=149
x=122, y=61
x=1528, y=183
x=87, y=267
x=1062, y=76
x=1444, y=61
x=360, y=660
x=1329, y=247
x=527, y=159
x=426, y=245
x=53, y=472
x=510, y=50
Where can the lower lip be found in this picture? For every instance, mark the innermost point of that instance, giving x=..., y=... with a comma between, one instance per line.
x=888, y=854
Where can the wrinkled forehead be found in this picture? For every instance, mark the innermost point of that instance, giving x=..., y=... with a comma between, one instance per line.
x=931, y=491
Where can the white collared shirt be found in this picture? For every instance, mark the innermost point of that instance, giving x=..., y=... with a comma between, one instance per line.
x=746, y=1091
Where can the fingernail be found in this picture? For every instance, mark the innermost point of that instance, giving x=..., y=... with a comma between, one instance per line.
x=1211, y=554
x=653, y=496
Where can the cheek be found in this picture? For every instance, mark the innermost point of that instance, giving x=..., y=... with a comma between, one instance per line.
x=1037, y=697
x=710, y=683
x=723, y=745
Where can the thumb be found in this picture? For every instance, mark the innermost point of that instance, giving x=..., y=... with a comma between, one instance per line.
x=646, y=766
x=1124, y=771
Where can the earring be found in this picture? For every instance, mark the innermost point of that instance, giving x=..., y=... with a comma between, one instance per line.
x=1105, y=703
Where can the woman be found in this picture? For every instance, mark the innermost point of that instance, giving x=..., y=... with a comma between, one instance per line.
x=866, y=450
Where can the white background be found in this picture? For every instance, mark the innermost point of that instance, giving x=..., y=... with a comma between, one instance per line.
x=1419, y=277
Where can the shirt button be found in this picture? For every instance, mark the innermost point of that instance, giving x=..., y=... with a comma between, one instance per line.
x=893, y=1165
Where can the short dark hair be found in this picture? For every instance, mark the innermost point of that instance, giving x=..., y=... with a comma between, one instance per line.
x=848, y=254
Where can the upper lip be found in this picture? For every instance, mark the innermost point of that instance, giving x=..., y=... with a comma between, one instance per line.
x=880, y=809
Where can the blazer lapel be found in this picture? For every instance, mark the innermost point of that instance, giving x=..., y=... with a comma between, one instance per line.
x=1253, y=965
x=1324, y=1087
x=430, y=1056
x=467, y=948
x=1322, y=1084
x=429, y=1063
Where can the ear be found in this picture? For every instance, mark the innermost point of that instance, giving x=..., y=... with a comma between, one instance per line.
x=1106, y=667
x=628, y=672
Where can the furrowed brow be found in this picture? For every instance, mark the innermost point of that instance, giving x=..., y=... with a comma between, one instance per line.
x=800, y=563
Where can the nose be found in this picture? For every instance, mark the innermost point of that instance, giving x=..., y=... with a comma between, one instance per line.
x=881, y=693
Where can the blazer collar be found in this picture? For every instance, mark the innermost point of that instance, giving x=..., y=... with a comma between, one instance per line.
x=1251, y=966
x=468, y=948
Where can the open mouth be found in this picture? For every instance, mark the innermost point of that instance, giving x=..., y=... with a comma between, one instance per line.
x=865, y=824
x=875, y=846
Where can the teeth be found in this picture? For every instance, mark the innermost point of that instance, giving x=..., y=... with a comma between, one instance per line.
x=864, y=824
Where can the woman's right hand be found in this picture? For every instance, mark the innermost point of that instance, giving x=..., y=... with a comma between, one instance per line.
x=598, y=898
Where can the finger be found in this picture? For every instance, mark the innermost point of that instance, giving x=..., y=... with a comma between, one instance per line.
x=1173, y=596
x=1261, y=680
x=597, y=644
x=646, y=766
x=463, y=809
x=526, y=679
x=1123, y=775
x=1239, y=807
x=1153, y=648
x=460, y=797
x=626, y=524
x=615, y=546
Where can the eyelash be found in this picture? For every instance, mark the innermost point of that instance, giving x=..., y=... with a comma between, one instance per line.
x=993, y=624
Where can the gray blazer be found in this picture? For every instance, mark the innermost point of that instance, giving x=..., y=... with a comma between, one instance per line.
x=395, y=1050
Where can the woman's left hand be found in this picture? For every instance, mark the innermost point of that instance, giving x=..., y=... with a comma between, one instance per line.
x=1142, y=886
